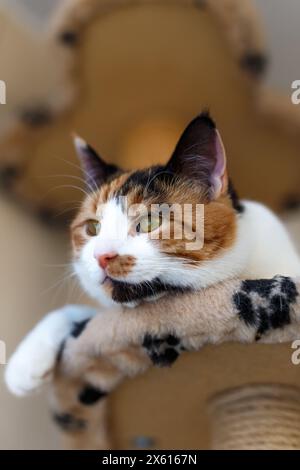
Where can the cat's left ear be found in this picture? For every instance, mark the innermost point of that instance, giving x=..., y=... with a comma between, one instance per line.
x=95, y=169
x=200, y=156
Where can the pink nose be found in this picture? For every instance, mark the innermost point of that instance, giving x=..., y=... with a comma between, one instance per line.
x=103, y=260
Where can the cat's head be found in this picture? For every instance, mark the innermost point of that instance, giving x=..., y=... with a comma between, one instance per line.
x=165, y=228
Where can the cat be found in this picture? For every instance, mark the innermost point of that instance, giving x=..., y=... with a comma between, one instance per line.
x=118, y=261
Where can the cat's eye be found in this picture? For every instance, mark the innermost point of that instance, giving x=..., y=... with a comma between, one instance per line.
x=148, y=224
x=92, y=227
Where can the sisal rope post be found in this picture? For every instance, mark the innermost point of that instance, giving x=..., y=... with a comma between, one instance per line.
x=262, y=417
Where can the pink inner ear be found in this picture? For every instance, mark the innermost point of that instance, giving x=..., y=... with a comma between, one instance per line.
x=219, y=176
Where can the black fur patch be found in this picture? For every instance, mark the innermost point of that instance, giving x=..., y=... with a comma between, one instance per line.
x=255, y=63
x=148, y=181
x=124, y=292
x=237, y=205
x=162, y=351
x=90, y=395
x=60, y=351
x=78, y=328
x=68, y=422
x=265, y=304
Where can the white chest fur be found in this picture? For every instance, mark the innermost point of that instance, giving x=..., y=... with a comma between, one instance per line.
x=271, y=250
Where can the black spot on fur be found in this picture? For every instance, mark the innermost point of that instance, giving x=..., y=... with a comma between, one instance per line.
x=60, y=351
x=90, y=395
x=264, y=322
x=124, y=292
x=163, y=351
x=166, y=359
x=262, y=287
x=237, y=205
x=289, y=289
x=69, y=38
x=78, y=328
x=38, y=116
x=172, y=340
x=244, y=305
x=281, y=312
x=68, y=422
x=265, y=304
x=255, y=63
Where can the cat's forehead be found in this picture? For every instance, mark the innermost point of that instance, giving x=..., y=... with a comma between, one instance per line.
x=151, y=185
x=136, y=186
x=124, y=186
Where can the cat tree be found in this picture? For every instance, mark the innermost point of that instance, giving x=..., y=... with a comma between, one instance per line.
x=257, y=417
x=130, y=97
x=86, y=367
x=129, y=90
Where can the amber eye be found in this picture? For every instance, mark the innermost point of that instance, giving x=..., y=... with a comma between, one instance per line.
x=148, y=224
x=92, y=227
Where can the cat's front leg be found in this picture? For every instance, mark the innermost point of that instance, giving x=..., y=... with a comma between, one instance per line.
x=34, y=360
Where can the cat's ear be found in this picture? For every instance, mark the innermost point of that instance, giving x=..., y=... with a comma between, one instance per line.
x=95, y=169
x=200, y=156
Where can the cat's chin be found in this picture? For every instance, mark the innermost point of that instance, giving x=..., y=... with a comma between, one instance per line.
x=130, y=294
x=125, y=293
x=111, y=292
x=115, y=292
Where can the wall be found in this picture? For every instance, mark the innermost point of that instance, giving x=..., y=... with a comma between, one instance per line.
x=281, y=23
x=29, y=253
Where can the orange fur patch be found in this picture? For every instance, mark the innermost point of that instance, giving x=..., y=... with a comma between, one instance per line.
x=220, y=228
x=120, y=266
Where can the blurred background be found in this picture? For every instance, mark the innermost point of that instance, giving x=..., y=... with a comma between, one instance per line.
x=128, y=75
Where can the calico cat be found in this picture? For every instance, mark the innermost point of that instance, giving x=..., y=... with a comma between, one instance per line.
x=119, y=261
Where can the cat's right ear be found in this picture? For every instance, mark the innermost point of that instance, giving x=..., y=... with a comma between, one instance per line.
x=95, y=169
x=200, y=156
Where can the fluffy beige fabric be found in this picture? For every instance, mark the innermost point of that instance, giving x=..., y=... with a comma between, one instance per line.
x=125, y=342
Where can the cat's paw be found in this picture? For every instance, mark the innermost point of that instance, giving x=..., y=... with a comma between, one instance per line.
x=33, y=362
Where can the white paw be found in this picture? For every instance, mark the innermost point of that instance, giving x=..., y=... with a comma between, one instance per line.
x=33, y=362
